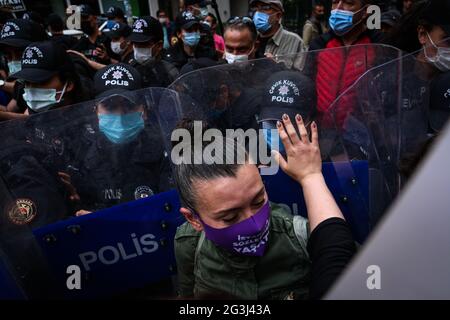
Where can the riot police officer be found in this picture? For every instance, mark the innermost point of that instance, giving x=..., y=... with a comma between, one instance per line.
x=147, y=39
x=124, y=159
x=119, y=43
x=15, y=36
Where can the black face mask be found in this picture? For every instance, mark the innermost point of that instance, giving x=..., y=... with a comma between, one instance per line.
x=87, y=28
x=320, y=17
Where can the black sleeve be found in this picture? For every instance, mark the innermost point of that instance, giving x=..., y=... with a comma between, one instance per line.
x=330, y=247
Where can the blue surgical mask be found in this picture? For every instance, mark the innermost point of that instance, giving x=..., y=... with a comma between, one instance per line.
x=121, y=128
x=39, y=100
x=14, y=66
x=341, y=21
x=191, y=39
x=261, y=21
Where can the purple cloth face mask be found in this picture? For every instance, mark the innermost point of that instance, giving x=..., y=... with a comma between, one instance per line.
x=248, y=237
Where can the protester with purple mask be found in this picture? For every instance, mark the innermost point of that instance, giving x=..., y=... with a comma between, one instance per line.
x=237, y=244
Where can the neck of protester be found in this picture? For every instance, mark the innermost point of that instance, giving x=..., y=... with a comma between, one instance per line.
x=351, y=37
x=93, y=37
x=272, y=31
x=190, y=51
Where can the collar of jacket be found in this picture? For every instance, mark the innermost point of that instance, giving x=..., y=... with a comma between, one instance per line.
x=276, y=38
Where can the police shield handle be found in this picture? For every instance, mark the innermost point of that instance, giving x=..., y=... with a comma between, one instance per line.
x=67, y=182
x=304, y=164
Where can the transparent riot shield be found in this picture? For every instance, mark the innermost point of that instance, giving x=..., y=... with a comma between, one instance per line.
x=253, y=96
x=87, y=206
x=389, y=124
x=396, y=245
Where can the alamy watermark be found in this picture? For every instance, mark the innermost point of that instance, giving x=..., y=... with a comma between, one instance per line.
x=374, y=18
x=212, y=146
x=73, y=17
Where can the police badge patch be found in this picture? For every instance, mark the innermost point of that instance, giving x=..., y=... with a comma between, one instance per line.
x=22, y=212
x=173, y=41
x=143, y=192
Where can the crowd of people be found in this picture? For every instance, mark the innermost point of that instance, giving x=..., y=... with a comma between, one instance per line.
x=120, y=156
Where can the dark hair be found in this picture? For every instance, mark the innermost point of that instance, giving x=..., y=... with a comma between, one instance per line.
x=69, y=75
x=318, y=4
x=55, y=22
x=69, y=72
x=159, y=11
x=186, y=174
x=240, y=24
x=214, y=19
x=4, y=16
x=404, y=34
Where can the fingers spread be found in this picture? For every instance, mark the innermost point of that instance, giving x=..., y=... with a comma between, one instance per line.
x=290, y=129
x=283, y=135
x=302, y=129
x=314, y=134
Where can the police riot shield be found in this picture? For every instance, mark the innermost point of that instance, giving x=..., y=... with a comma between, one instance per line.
x=399, y=251
x=245, y=100
x=87, y=206
x=389, y=125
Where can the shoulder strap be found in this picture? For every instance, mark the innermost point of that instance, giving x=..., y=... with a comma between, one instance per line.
x=301, y=230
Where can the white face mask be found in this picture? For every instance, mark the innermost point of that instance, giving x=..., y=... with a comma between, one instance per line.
x=232, y=58
x=442, y=58
x=40, y=100
x=14, y=66
x=162, y=20
x=142, y=55
x=117, y=48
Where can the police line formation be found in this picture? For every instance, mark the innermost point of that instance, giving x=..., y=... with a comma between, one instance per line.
x=92, y=180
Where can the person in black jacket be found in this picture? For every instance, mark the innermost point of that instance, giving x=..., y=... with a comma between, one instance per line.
x=147, y=40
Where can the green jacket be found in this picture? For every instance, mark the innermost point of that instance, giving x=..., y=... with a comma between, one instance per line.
x=208, y=271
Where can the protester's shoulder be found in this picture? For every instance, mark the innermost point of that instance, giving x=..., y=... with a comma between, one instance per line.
x=291, y=36
x=282, y=220
x=186, y=233
x=308, y=23
x=296, y=228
